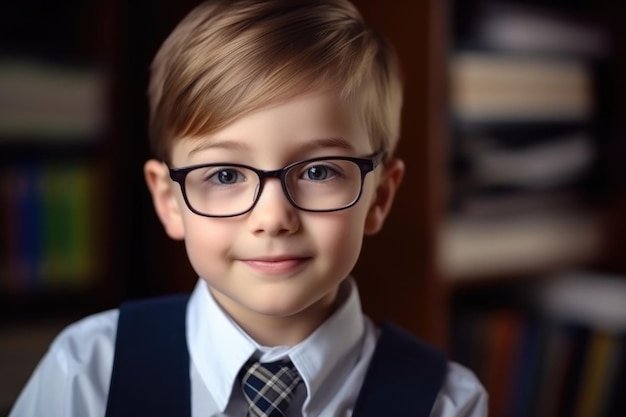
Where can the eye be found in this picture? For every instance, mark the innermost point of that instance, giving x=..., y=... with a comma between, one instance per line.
x=226, y=176
x=319, y=172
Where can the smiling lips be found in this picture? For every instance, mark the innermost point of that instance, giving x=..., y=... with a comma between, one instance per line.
x=276, y=265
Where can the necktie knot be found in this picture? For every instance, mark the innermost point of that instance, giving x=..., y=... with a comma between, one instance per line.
x=268, y=387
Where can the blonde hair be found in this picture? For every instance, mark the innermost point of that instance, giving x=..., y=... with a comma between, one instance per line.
x=228, y=58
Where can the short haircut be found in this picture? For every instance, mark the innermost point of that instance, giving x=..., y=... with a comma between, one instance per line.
x=228, y=58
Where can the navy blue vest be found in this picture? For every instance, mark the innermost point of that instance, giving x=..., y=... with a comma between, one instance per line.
x=151, y=367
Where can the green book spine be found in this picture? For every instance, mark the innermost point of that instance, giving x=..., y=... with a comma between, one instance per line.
x=53, y=229
x=81, y=248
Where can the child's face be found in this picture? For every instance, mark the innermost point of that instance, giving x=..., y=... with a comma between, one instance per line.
x=277, y=261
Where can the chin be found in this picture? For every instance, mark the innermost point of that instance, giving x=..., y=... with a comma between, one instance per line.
x=282, y=306
x=283, y=310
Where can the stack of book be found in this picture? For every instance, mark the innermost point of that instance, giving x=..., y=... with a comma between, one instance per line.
x=527, y=142
x=524, y=104
x=565, y=355
x=49, y=115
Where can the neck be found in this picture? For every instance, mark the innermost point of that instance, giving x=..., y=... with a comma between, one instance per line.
x=288, y=330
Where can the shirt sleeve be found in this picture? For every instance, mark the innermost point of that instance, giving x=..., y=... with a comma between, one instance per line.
x=462, y=395
x=72, y=379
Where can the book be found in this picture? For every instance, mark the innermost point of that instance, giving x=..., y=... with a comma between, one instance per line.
x=590, y=298
x=527, y=372
x=523, y=243
x=507, y=87
x=545, y=165
x=614, y=404
x=81, y=253
x=470, y=345
x=69, y=252
x=49, y=102
x=522, y=28
x=553, y=369
x=503, y=352
x=578, y=346
x=26, y=193
x=592, y=306
x=596, y=374
x=8, y=237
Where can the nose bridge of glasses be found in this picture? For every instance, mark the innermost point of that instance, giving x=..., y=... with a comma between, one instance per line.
x=263, y=175
x=279, y=174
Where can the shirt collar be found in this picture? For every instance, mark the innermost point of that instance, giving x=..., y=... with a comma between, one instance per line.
x=217, y=346
x=320, y=358
x=328, y=355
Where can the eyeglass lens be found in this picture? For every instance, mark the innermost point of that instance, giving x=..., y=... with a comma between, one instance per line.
x=320, y=185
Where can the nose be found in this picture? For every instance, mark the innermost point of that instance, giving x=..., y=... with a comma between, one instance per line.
x=273, y=214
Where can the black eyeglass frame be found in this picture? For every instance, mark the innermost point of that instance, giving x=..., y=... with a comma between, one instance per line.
x=366, y=164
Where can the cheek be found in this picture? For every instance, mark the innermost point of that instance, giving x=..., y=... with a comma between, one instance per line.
x=206, y=242
x=340, y=236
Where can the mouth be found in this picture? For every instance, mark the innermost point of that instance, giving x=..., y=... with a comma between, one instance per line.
x=276, y=265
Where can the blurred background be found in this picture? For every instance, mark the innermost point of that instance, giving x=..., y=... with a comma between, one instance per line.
x=507, y=246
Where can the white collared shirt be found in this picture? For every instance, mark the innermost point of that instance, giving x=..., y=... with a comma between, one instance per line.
x=73, y=377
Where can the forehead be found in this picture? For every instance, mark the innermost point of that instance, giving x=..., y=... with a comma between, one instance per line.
x=308, y=125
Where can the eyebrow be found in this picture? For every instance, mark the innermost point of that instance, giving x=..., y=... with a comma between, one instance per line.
x=314, y=144
x=219, y=144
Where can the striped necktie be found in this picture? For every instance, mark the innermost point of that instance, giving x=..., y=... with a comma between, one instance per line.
x=268, y=387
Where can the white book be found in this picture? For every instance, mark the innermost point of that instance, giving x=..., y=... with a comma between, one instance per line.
x=533, y=29
x=504, y=87
x=40, y=100
x=595, y=299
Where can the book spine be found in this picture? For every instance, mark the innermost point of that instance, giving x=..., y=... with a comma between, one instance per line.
x=596, y=373
x=27, y=219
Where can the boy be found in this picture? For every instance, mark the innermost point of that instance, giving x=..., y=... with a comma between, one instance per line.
x=274, y=124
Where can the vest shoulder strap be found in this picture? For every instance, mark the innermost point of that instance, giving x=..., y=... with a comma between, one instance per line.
x=152, y=362
x=404, y=376
x=150, y=374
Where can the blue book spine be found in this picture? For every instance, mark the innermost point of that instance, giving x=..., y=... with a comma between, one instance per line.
x=28, y=211
x=526, y=373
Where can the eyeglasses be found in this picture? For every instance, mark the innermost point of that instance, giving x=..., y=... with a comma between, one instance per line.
x=318, y=185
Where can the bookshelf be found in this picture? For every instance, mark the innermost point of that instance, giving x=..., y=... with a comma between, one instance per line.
x=56, y=138
x=60, y=240
x=529, y=241
x=528, y=133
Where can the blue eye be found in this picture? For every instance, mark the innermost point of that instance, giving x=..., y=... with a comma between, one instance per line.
x=226, y=176
x=318, y=173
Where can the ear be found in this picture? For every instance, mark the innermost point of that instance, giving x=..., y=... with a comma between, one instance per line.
x=164, y=198
x=385, y=194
